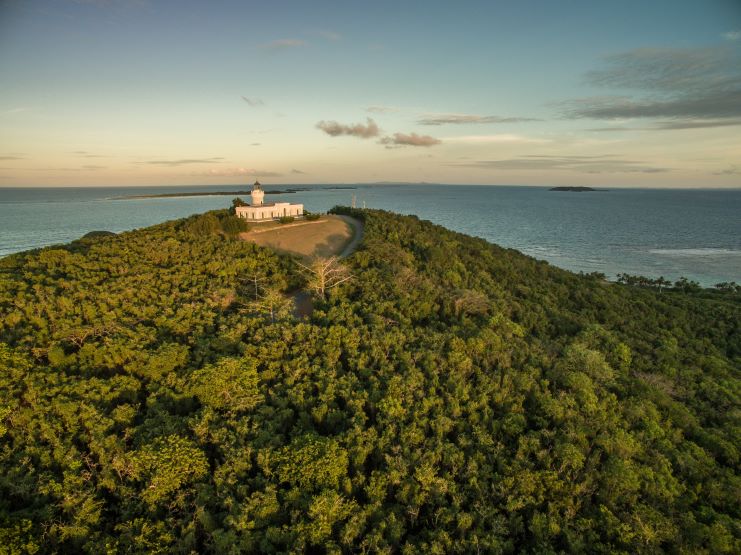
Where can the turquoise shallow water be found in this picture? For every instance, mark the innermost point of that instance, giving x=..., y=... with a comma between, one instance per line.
x=692, y=233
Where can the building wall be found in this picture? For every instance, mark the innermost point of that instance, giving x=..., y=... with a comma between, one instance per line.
x=278, y=210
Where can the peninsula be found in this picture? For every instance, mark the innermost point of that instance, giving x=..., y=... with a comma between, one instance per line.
x=225, y=193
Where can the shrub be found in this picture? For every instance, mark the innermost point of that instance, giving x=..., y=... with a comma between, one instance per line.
x=286, y=219
x=232, y=225
x=205, y=224
x=311, y=217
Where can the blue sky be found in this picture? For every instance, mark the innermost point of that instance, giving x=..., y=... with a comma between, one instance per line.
x=530, y=92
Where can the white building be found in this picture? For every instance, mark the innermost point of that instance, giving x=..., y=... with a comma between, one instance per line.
x=257, y=211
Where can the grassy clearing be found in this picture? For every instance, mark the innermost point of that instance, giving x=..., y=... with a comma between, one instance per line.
x=327, y=236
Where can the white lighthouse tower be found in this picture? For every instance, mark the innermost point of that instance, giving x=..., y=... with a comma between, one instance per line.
x=258, y=211
x=257, y=194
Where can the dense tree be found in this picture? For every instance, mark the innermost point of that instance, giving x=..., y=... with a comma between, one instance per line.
x=453, y=397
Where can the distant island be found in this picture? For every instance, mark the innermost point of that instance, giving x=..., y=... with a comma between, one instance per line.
x=223, y=193
x=576, y=189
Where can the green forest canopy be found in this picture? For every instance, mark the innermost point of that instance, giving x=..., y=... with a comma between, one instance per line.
x=453, y=397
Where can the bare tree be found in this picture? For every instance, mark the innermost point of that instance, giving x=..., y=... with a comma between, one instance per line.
x=273, y=303
x=255, y=279
x=324, y=274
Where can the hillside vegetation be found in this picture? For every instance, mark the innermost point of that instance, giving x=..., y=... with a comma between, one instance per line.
x=157, y=396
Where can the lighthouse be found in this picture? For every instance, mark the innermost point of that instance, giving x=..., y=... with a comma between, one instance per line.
x=258, y=211
x=257, y=194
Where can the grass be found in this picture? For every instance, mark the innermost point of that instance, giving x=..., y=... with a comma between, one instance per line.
x=327, y=236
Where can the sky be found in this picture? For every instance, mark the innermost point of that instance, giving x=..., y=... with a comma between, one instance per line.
x=175, y=92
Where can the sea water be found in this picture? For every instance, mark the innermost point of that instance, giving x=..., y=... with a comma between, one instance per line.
x=671, y=233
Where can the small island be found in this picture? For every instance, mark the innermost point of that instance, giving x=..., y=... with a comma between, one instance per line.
x=576, y=189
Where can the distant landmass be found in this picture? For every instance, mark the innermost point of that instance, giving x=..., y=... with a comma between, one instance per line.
x=225, y=193
x=576, y=189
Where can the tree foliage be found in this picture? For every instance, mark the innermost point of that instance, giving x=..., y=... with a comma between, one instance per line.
x=453, y=397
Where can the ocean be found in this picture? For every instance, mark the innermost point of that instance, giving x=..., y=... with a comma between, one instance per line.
x=669, y=233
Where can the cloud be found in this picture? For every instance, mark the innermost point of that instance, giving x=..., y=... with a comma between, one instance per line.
x=183, y=161
x=255, y=144
x=85, y=154
x=14, y=111
x=675, y=84
x=499, y=138
x=236, y=172
x=297, y=171
x=336, y=129
x=254, y=102
x=412, y=139
x=708, y=106
x=671, y=125
x=585, y=164
x=457, y=119
x=732, y=35
x=85, y=168
x=730, y=170
x=382, y=109
x=283, y=44
x=12, y=158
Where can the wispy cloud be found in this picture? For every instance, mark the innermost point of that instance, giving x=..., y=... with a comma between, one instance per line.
x=335, y=129
x=85, y=168
x=732, y=35
x=183, y=161
x=86, y=154
x=254, y=102
x=682, y=85
x=283, y=44
x=458, y=119
x=584, y=164
x=671, y=125
x=498, y=138
x=12, y=158
x=13, y=111
x=411, y=139
x=382, y=109
x=294, y=170
x=236, y=172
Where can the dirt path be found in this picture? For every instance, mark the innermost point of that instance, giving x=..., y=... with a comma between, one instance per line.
x=357, y=236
